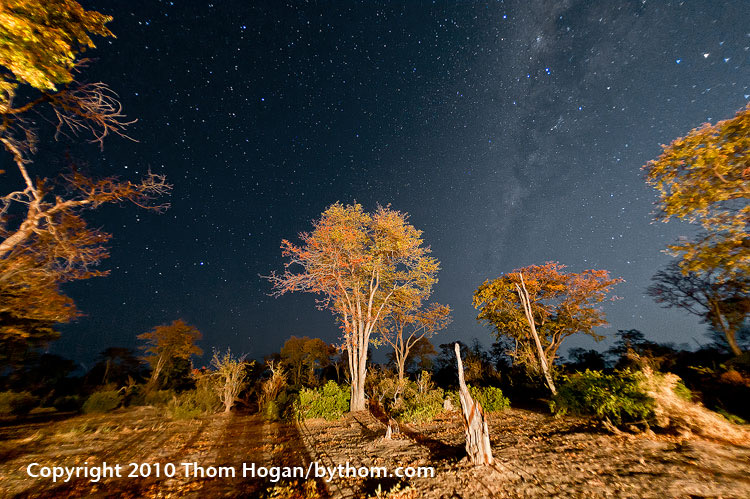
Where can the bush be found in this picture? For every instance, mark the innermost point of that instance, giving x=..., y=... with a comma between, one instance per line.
x=68, y=403
x=330, y=401
x=193, y=403
x=281, y=408
x=420, y=407
x=158, y=398
x=617, y=398
x=490, y=397
x=17, y=403
x=102, y=401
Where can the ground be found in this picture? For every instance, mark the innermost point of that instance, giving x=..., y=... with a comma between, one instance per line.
x=536, y=456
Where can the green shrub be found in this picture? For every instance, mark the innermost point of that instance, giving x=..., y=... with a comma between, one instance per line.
x=617, y=398
x=420, y=407
x=191, y=404
x=683, y=391
x=17, y=403
x=158, y=398
x=330, y=401
x=102, y=401
x=490, y=397
x=282, y=408
x=68, y=403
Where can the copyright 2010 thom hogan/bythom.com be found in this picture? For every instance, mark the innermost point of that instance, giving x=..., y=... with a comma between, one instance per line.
x=98, y=472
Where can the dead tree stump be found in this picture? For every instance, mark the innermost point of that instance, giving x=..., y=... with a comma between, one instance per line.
x=475, y=424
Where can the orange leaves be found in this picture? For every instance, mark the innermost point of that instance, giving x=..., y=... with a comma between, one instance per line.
x=562, y=304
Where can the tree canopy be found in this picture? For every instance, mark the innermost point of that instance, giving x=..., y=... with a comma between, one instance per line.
x=704, y=177
x=356, y=262
x=562, y=304
x=44, y=239
x=168, y=343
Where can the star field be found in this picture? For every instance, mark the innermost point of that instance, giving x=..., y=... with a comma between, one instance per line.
x=512, y=132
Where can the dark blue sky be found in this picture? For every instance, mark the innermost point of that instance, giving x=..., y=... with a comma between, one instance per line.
x=512, y=132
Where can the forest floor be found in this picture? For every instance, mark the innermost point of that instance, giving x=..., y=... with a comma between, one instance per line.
x=536, y=456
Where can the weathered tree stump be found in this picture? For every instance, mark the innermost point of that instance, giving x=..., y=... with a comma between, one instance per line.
x=475, y=424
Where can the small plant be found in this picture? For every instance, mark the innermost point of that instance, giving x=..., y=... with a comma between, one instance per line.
x=103, y=401
x=330, y=402
x=490, y=397
x=17, y=403
x=396, y=492
x=616, y=398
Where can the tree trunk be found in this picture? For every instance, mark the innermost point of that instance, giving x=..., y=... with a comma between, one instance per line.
x=523, y=295
x=729, y=333
x=475, y=424
x=359, y=373
x=401, y=368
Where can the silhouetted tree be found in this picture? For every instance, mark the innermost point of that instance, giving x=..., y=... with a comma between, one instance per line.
x=722, y=303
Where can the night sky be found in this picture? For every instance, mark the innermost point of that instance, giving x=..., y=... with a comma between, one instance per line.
x=513, y=133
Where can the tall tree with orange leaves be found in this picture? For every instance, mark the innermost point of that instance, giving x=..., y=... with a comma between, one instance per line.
x=44, y=240
x=561, y=304
x=357, y=262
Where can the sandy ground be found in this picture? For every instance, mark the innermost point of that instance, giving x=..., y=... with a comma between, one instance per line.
x=536, y=456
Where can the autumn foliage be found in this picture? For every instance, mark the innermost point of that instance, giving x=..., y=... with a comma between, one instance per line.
x=357, y=262
x=44, y=239
x=562, y=304
x=168, y=343
x=704, y=177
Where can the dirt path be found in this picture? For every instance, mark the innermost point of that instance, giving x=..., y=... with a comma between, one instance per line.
x=235, y=442
x=536, y=456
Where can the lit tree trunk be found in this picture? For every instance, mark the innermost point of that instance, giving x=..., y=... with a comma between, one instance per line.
x=523, y=295
x=729, y=333
x=475, y=424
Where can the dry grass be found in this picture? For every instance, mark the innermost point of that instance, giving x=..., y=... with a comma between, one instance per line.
x=673, y=412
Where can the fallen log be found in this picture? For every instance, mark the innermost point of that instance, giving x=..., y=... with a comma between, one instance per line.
x=475, y=424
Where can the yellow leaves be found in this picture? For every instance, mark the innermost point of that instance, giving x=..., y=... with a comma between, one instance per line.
x=702, y=178
x=40, y=40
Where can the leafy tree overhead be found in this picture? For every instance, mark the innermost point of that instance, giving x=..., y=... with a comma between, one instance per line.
x=167, y=345
x=562, y=304
x=44, y=240
x=357, y=262
x=722, y=303
x=41, y=40
x=704, y=177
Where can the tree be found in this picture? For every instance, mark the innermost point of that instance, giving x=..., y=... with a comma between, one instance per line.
x=357, y=261
x=722, y=303
x=304, y=355
x=44, y=240
x=230, y=374
x=167, y=344
x=561, y=304
x=408, y=324
x=704, y=178
x=116, y=365
x=420, y=356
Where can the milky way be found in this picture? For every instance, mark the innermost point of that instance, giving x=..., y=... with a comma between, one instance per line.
x=512, y=132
